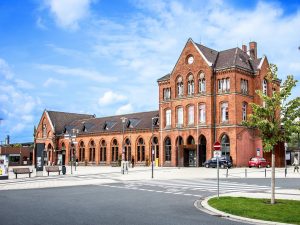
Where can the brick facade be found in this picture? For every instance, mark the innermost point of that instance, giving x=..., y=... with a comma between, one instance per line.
x=202, y=77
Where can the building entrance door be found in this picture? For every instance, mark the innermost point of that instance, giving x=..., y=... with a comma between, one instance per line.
x=189, y=158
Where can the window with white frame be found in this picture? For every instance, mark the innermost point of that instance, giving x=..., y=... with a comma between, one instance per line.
x=224, y=112
x=179, y=87
x=224, y=85
x=191, y=85
x=202, y=85
x=168, y=118
x=202, y=113
x=191, y=115
x=244, y=111
x=244, y=86
x=265, y=86
x=179, y=116
x=167, y=93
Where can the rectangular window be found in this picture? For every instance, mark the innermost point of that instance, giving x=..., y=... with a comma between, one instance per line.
x=224, y=112
x=244, y=86
x=202, y=113
x=168, y=118
x=179, y=116
x=167, y=93
x=191, y=115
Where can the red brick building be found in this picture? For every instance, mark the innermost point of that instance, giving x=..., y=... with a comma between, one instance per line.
x=204, y=99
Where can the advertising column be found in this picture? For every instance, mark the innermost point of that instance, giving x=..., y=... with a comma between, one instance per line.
x=3, y=167
x=39, y=159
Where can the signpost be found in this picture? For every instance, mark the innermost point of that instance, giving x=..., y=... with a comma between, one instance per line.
x=217, y=154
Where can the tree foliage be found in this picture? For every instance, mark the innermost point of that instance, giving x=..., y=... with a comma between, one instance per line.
x=278, y=117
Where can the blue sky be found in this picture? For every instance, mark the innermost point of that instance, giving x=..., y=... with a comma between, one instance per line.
x=103, y=57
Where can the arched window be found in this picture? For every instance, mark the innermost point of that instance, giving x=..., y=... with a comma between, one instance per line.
x=179, y=117
x=191, y=115
x=168, y=149
x=202, y=84
x=114, y=150
x=81, y=152
x=92, y=152
x=155, y=147
x=179, y=87
x=168, y=118
x=224, y=112
x=244, y=111
x=265, y=87
x=225, y=143
x=202, y=113
x=103, y=151
x=141, y=150
x=191, y=85
x=127, y=148
x=190, y=140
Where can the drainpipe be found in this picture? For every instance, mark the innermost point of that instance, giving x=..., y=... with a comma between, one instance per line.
x=214, y=103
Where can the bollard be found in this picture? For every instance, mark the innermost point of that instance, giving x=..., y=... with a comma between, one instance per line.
x=265, y=172
x=227, y=173
x=285, y=172
x=246, y=173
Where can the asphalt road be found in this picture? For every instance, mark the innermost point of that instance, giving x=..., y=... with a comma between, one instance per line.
x=97, y=204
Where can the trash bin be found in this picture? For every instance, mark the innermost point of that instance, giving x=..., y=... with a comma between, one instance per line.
x=63, y=170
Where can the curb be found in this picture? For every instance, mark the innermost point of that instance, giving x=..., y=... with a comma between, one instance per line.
x=214, y=212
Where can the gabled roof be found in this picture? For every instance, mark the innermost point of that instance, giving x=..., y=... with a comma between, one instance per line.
x=135, y=121
x=234, y=57
x=60, y=119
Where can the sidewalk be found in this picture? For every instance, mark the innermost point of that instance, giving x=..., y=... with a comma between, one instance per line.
x=107, y=174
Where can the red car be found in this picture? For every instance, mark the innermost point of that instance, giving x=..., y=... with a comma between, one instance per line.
x=258, y=162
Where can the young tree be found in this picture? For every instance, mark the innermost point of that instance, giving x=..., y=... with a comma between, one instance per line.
x=275, y=119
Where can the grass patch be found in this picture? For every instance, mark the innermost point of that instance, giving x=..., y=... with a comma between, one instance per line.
x=285, y=211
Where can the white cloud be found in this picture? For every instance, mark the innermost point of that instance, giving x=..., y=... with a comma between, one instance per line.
x=50, y=82
x=68, y=13
x=78, y=72
x=124, y=109
x=17, y=105
x=40, y=23
x=5, y=70
x=110, y=97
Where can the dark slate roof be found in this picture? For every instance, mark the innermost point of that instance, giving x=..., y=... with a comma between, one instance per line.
x=166, y=77
x=234, y=57
x=135, y=121
x=61, y=119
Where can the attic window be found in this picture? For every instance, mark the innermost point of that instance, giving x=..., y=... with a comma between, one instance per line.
x=132, y=123
x=84, y=128
x=156, y=121
x=108, y=125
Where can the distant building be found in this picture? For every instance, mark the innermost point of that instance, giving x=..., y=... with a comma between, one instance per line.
x=203, y=99
x=18, y=154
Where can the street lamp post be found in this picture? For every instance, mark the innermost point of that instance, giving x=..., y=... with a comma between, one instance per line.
x=152, y=147
x=123, y=150
x=72, y=140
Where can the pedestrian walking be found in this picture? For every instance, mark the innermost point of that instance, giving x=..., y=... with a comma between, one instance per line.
x=296, y=167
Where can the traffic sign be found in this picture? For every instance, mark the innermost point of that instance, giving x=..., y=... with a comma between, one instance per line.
x=217, y=146
x=217, y=154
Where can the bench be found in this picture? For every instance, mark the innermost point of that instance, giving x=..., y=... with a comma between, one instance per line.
x=53, y=169
x=22, y=171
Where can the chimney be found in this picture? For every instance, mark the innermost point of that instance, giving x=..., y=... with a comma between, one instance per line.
x=7, y=140
x=253, y=49
x=244, y=48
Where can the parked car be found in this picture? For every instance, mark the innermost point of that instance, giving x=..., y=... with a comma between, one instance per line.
x=224, y=162
x=258, y=162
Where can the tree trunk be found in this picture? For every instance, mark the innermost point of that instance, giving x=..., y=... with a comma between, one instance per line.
x=273, y=178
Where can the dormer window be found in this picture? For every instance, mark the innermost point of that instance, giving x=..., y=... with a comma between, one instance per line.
x=202, y=83
x=179, y=87
x=191, y=85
